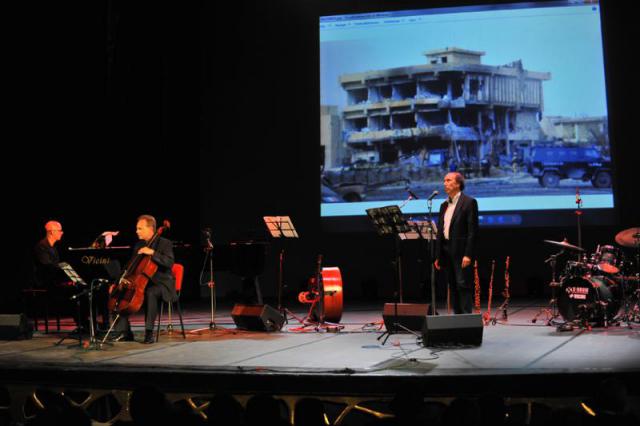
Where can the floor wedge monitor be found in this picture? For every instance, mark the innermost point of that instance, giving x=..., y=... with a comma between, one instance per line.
x=407, y=316
x=257, y=317
x=445, y=330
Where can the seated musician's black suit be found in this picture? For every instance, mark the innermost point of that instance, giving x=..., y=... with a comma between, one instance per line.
x=160, y=286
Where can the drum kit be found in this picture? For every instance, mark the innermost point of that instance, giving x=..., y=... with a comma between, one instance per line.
x=594, y=288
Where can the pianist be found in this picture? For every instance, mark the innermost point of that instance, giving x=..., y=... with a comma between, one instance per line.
x=47, y=256
x=50, y=277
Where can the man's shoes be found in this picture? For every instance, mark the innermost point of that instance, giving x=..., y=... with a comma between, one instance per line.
x=149, y=337
x=125, y=336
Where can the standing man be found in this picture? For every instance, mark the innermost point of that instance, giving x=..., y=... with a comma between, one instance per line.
x=161, y=285
x=456, y=239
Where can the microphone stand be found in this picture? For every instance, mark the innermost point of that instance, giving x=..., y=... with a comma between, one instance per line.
x=578, y=213
x=551, y=310
x=93, y=343
x=432, y=234
x=208, y=249
x=211, y=283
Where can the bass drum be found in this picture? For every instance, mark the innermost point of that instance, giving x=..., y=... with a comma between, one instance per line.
x=589, y=298
x=332, y=282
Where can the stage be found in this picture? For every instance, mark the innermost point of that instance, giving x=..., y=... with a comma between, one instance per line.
x=352, y=356
x=517, y=358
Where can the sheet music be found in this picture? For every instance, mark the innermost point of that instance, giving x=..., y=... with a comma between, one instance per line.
x=280, y=226
x=71, y=273
x=104, y=239
x=419, y=229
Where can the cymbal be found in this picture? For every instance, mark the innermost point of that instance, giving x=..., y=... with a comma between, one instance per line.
x=629, y=237
x=564, y=244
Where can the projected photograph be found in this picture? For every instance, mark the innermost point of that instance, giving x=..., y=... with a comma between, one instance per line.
x=514, y=98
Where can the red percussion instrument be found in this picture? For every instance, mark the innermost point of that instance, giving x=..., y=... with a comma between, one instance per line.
x=332, y=285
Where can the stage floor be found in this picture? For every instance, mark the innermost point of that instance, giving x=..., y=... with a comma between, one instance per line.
x=353, y=360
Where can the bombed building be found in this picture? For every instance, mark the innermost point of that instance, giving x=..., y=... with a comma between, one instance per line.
x=453, y=104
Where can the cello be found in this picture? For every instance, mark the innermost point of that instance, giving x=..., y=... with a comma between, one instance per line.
x=127, y=295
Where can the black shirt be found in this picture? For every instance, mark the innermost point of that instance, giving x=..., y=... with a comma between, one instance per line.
x=46, y=259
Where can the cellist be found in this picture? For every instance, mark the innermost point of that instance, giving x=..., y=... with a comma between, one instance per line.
x=161, y=285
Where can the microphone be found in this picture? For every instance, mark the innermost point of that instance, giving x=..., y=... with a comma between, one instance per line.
x=207, y=236
x=433, y=194
x=414, y=196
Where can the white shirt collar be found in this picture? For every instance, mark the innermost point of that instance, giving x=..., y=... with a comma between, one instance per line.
x=455, y=198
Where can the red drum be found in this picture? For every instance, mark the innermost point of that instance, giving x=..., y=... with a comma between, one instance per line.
x=332, y=282
x=609, y=259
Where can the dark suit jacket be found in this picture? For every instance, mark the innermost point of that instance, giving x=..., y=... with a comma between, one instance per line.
x=463, y=229
x=163, y=257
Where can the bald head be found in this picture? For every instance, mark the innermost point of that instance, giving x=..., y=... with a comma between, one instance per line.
x=52, y=225
x=54, y=231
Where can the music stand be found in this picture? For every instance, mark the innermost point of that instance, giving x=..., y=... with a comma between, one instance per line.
x=281, y=227
x=388, y=220
x=425, y=230
x=420, y=230
x=71, y=273
x=77, y=280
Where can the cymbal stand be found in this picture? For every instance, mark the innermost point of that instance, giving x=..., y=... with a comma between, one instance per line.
x=631, y=310
x=551, y=310
x=631, y=301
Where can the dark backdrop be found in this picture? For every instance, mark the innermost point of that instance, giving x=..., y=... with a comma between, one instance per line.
x=209, y=116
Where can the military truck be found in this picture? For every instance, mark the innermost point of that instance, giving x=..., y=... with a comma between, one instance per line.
x=552, y=163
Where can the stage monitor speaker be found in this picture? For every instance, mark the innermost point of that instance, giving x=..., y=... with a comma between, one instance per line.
x=257, y=317
x=462, y=329
x=15, y=327
x=410, y=316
